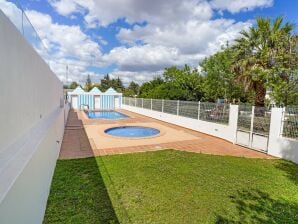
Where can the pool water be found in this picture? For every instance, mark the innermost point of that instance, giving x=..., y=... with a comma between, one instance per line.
x=132, y=131
x=105, y=115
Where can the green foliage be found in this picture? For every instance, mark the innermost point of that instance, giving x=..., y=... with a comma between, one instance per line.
x=132, y=90
x=148, y=87
x=88, y=85
x=265, y=56
x=181, y=84
x=219, y=80
x=73, y=85
x=107, y=82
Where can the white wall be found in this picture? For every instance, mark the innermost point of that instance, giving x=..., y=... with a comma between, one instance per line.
x=279, y=146
x=32, y=125
x=227, y=132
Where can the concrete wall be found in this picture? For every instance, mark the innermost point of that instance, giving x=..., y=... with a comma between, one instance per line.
x=279, y=146
x=32, y=126
x=227, y=132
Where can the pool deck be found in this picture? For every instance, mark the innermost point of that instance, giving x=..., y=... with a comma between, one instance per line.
x=85, y=137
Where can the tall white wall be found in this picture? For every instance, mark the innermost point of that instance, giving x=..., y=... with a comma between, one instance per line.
x=31, y=127
x=279, y=146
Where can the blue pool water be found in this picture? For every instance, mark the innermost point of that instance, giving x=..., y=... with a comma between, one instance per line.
x=105, y=115
x=132, y=131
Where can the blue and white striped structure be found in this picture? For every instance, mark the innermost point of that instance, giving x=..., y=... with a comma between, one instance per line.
x=95, y=99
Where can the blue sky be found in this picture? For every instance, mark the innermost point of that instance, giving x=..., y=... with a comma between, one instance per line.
x=137, y=39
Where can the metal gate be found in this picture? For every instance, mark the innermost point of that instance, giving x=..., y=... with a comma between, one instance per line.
x=253, y=127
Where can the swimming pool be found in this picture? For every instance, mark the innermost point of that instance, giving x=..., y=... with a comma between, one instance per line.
x=132, y=131
x=105, y=115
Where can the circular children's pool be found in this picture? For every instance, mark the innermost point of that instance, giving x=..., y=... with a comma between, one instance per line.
x=132, y=131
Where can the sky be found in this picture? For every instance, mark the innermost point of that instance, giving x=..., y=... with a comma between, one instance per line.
x=136, y=39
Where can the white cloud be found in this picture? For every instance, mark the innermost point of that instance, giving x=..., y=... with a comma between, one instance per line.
x=67, y=45
x=192, y=37
x=148, y=58
x=68, y=7
x=69, y=41
x=235, y=6
x=138, y=77
x=155, y=11
x=173, y=32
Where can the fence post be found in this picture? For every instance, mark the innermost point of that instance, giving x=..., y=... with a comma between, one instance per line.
x=129, y=101
x=199, y=109
x=177, y=107
x=251, y=125
x=151, y=104
x=162, y=105
x=135, y=102
x=276, y=146
x=233, y=121
x=142, y=102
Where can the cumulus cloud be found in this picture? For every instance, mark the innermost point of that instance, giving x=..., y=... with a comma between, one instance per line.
x=159, y=12
x=138, y=77
x=162, y=34
x=235, y=6
x=69, y=41
x=191, y=37
x=67, y=45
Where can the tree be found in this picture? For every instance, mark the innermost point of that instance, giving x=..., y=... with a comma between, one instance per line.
x=147, y=87
x=186, y=80
x=259, y=56
x=105, y=83
x=88, y=84
x=119, y=85
x=134, y=87
x=73, y=85
x=218, y=78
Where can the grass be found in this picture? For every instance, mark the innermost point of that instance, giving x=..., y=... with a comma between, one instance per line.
x=173, y=187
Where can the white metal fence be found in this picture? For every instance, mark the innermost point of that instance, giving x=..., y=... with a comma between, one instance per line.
x=255, y=121
x=212, y=112
x=290, y=123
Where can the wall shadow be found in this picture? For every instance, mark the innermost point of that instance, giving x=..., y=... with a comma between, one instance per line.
x=78, y=191
x=290, y=169
x=254, y=206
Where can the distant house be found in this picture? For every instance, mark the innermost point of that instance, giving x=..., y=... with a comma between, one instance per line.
x=95, y=99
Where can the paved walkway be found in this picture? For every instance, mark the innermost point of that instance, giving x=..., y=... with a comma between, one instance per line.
x=85, y=137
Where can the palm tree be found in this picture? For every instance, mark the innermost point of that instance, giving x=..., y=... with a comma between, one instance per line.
x=258, y=53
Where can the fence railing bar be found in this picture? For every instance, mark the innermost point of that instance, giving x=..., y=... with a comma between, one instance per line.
x=251, y=125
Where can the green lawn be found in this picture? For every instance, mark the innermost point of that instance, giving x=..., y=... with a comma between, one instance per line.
x=173, y=187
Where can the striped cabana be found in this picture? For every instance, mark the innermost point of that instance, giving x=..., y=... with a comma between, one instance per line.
x=95, y=99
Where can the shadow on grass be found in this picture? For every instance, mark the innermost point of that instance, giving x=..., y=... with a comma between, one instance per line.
x=78, y=192
x=290, y=169
x=255, y=206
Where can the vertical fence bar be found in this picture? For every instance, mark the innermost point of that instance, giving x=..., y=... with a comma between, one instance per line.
x=282, y=121
x=162, y=105
x=251, y=125
x=199, y=109
x=178, y=107
x=135, y=102
x=151, y=104
x=142, y=102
